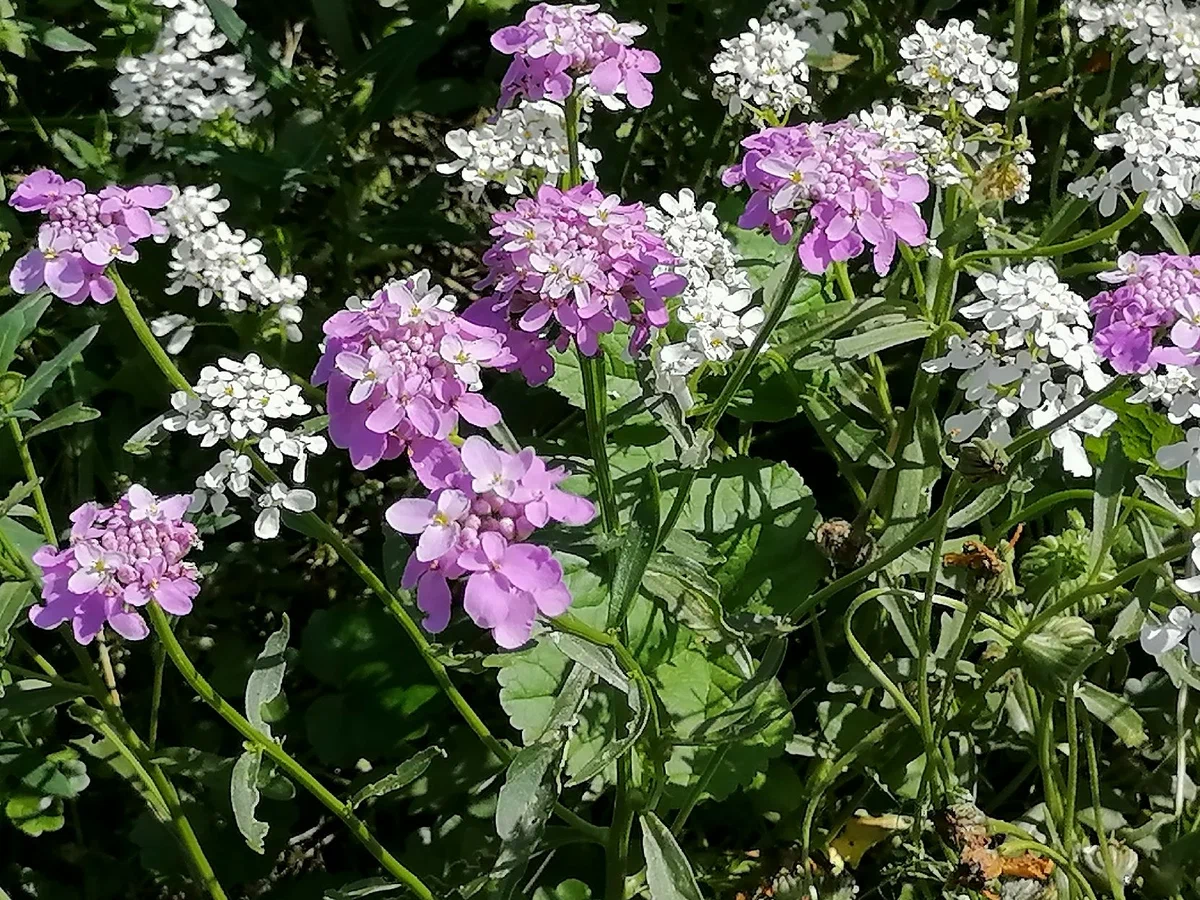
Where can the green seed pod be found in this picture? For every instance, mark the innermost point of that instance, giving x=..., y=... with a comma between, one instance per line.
x=983, y=462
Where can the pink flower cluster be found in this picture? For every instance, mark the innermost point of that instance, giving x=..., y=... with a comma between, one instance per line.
x=483, y=506
x=120, y=558
x=554, y=45
x=571, y=264
x=402, y=366
x=855, y=190
x=1153, y=318
x=82, y=234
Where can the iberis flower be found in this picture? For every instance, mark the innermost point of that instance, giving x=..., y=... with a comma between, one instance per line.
x=955, y=63
x=119, y=559
x=854, y=189
x=402, y=366
x=82, y=234
x=1153, y=317
x=557, y=48
x=484, y=505
x=571, y=264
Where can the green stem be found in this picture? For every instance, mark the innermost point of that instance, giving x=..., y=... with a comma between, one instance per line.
x=1033, y=510
x=1114, y=881
x=160, y=659
x=698, y=788
x=975, y=605
x=39, y=499
x=571, y=113
x=1069, y=799
x=1032, y=437
x=1079, y=243
x=1181, y=734
x=779, y=304
x=281, y=757
x=329, y=535
x=596, y=416
x=873, y=667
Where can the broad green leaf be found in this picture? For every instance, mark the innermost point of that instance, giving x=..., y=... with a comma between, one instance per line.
x=266, y=678
x=29, y=697
x=637, y=546
x=689, y=593
x=25, y=541
x=620, y=379
x=244, y=796
x=1115, y=712
x=669, y=875
x=58, y=38
x=874, y=340
x=14, y=598
x=47, y=372
x=17, y=323
x=524, y=806
x=70, y=415
x=59, y=774
x=34, y=814
x=571, y=889
x=401, y=776
x=981, y=504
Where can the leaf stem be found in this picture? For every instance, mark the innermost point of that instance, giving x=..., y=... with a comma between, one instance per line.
x=281, y=757
x=1114, y=881
x=39, y=498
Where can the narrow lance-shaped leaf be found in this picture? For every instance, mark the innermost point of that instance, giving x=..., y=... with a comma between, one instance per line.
x=266, y=680
x=401, y=776
x=244, y=796
x=39, y=382
x=14, y=597
x=641, y=539
x=70, y=415
x=669, y=875
x=17, y=324
x=1106, y=501
x=523, y=808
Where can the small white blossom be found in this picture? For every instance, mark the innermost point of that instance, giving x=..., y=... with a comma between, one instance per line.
x=762, y=69
x=1163, y=31
x=230, y=474
x=813, y=24
x=904, y=131
x=1181, y=625
x=180, y=328
x=278, y=444
x=1184, y=453
x=525, y=146
x=955, y=63
x=278, y=497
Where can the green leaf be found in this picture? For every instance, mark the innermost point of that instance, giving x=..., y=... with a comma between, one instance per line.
x=1156, y=492
x=401, y=776
x=252, y=47
x=1106, y=501
x=34, y=814
x=60, y=774
x=25, y=542
x=377, y=888
x=149, y=435
x=28, y=697
x=333, y=20
x=690, y=594
x=14, y=598
x=571, y=889
x=244, y=796
x=47, y=372
x=861, y=445
x=17, y=323
x=874, y=340
x=70, y=415
x=981, y=504
x=1052, y=655
x=637, y=546
x=620, y=379
x=1115, y=712
x=266, y=678
x=830, y=62
x=524, y=806
x=669, y=875
x=80, y=152
x=58, y=38
x=1165, y=225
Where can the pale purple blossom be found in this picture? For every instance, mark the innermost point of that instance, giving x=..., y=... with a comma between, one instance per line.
x=557, y=48
x=484, y=506
x=567, y=266
x=841, y=183
x=119, y=559
x=83, y=233
x=403, y=366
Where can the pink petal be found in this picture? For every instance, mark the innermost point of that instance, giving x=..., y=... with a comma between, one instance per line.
x=531, y=567
x=29, y=273
x=606, y=77
x=411, y=515
x=486, y=599
x=433, y=598
x=478, y=411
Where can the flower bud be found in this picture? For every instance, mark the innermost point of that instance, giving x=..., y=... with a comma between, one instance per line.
x=983, y=462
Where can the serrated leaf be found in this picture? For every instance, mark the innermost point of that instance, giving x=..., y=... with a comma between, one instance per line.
x=266, y=678
x=40, y=381
x=669, y=875
x=401, y=776
x=70, y=415
x=17, y=323
x=244, y=796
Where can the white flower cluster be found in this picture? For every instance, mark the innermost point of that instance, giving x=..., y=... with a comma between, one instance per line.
x=716, y=304
x=762, y=70
x=236, y=401
x=524, y=147
x=905, y=131
x=1161, y=143
x=955, y=63
x=1163, y=31
x=1034, y=355
x=222, y=264
x=813, y=24
x=181, y=84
